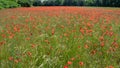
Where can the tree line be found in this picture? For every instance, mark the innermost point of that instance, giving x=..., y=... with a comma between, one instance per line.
x=29, y=3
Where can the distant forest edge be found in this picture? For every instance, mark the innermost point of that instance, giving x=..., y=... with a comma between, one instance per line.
x=29, y=3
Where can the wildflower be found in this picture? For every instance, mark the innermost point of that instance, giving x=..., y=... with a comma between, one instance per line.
x=111, y=33
x=26, y=20
x=10, y=58
x=110, y=66
x=34, y=26
x=16, y=29
x=69, y=62
x=93, y=52
x=89, y=31
x=29, y=53
x=2, y=43
x=65, y=66
x=16, y=61
x=33, y=45
x=11, y=36
x=111, y=49
x=81, y=63
x=47, y=41
x=28, y=38
x=13, y=17
x=62, y=26
x=60, y=36
x=101, y=38
x=100, y=53
x=86, y=46
x=65, y=34
x=78, y=46
x=102, y=44
x=53, y=31
x=111, y=28
x=3, y=35
x=89, y=25
x=72, y=58
x=82, y=31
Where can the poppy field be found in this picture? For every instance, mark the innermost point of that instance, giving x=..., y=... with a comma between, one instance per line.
x=60, y=37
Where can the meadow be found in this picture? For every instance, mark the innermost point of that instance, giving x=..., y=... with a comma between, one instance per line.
x=60, y=37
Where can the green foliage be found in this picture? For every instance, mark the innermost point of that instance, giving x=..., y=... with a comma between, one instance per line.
x=37, y=3
x=1, y=7
x=8, y=4
x=26, y=3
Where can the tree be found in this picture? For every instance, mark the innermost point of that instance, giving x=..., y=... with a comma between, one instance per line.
x=58, y=2
x=37, y=3
x=26, y=3
x=67, y=2
x=8, y=4
x=29, y=3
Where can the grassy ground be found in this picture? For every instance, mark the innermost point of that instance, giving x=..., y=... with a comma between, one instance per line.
x=60, y=37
